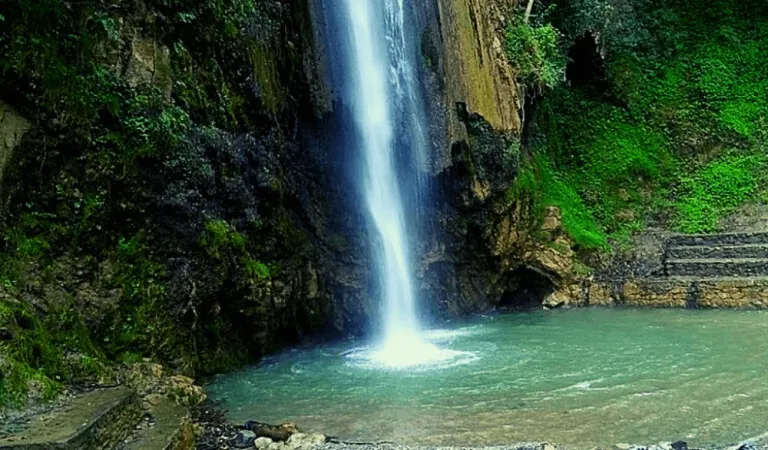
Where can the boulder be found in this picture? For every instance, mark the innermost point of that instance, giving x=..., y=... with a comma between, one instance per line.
x=277, y=433
x=262, y=443
x=304, y=441
x=553, y=301
x=245, y=439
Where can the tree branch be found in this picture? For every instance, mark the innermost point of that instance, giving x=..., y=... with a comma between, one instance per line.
x=528, y=10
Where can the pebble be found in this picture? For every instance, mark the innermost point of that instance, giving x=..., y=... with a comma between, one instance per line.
x=262, y=443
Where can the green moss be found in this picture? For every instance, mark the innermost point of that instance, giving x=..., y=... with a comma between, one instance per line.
x=44, y=351
x=256, y=269
x=643, y=141
x=28, y=361
x=144, y=323
x=220, y=240
x=218, y=235
x=540, y=185
x=203, y=88
x=716, y=189
x=265, y=70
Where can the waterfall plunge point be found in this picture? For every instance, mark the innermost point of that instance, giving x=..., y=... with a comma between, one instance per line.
x=382, y=86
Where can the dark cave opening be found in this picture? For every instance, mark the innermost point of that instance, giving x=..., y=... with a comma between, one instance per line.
x=585, y=64
x=526, y=289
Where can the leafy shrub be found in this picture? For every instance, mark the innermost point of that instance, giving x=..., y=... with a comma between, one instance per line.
x=534, y=52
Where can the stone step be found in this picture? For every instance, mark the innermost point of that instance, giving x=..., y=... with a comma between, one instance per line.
x=718, y=252
x=744, y=267
x=717, y=239
x=710, y=280
x=98, y=419
x=166, y=426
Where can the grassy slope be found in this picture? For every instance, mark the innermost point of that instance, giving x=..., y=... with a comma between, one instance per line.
x=675, y=132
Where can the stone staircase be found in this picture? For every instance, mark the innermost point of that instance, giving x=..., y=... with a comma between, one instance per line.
x=742, y=255
x=102, y=419
x=714, y=271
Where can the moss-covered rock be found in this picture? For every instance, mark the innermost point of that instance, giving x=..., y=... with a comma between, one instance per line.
x=156, y=208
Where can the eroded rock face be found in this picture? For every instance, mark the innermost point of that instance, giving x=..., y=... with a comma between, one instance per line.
x=476, y=71
x=278, y=178
x=149, y=62
x=13, y=126
x=479, y=234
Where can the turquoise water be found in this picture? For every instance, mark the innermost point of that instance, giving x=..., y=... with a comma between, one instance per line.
x=581, y=378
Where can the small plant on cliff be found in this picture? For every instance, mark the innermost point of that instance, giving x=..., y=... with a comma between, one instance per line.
x=222, y=241
x=534, y=51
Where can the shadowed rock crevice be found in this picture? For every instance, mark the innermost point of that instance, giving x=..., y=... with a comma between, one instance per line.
x=527, y=288
x=585, y=63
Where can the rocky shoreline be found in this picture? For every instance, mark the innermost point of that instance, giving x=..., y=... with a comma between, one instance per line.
x=217, y=433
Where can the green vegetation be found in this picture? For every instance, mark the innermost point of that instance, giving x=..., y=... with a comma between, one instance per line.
x=542, y=186
x=534, y=51
x=220, y=240
x=29, y=361
x=143, y=325
x=36, y=354
x=100, y=134
x=671, y=129
x=716, y=189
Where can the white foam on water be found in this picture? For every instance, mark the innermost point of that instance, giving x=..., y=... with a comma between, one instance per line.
x=413, y=352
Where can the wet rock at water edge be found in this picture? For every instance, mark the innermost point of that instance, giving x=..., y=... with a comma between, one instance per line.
x=275, y=432
x=748, y=446
x=303, y=441
x=679, y=445
x=245, y=439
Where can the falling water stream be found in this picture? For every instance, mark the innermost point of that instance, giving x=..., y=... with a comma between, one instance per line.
x=384, y=99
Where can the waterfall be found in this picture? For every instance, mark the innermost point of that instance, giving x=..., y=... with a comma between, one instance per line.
x=373, y=112
x=375, y=58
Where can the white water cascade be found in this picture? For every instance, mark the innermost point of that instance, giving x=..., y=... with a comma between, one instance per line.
x=383, y=97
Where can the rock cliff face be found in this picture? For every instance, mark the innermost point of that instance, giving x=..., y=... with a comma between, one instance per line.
x=12, y=130
x=181, y=201
x=184, y=201
x=465, y=63
x=480, y=252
